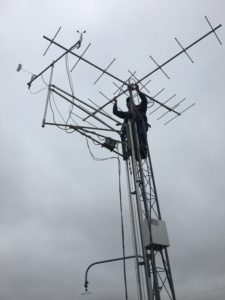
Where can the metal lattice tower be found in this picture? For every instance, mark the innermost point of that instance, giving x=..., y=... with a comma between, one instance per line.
x=150, y=238
x=144, y=201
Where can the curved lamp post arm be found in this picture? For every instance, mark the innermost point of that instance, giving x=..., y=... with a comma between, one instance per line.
x=102, y=262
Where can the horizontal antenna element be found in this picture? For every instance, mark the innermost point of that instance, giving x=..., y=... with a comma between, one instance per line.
x=160, y=67
x=81, y=56
x=180, y=113
x=53, y=40
x=184, y=50
x=213, y=30
x=104, y=71
x=163, y=103
x=175, y=106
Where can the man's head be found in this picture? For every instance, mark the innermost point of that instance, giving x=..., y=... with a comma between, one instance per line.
x=128, y=103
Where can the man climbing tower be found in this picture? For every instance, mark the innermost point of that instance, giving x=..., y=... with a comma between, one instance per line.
x=138, y=114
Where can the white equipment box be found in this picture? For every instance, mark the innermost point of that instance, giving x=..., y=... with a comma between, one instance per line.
x=159, y=234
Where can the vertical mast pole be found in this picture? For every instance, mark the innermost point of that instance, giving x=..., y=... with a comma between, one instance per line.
x=134, y=233
x=48, y=96
x=135, y=154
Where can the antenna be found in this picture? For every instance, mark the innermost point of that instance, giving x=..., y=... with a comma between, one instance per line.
x=150, y=236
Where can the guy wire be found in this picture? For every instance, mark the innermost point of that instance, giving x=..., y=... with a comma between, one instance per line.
x=121, y=213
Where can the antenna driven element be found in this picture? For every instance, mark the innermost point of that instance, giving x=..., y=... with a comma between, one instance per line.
x=175, y=106
x=104, y=71
x=159, y=67
x=184, y=50
x=51, y=42
x=81, y=57
x=180, y=113
x=213, y=30
x=163, y=103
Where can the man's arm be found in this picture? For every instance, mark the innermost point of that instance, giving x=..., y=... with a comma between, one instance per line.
x=144, y=100
x=119, y=113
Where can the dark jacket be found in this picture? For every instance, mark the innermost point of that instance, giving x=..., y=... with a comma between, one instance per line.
x=139, y=114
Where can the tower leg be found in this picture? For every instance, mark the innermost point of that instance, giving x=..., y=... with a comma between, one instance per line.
x=144, y=200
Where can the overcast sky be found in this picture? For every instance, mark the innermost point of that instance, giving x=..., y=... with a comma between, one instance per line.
x=59, y=209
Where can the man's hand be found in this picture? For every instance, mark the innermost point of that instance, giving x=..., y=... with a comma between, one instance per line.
x=132, y=87
x=136, y=87
x=114, y=100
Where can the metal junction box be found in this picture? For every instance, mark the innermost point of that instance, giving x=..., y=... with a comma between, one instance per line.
x=159, y=234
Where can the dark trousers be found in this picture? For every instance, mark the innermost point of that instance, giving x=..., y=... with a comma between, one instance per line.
x=142, y=128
